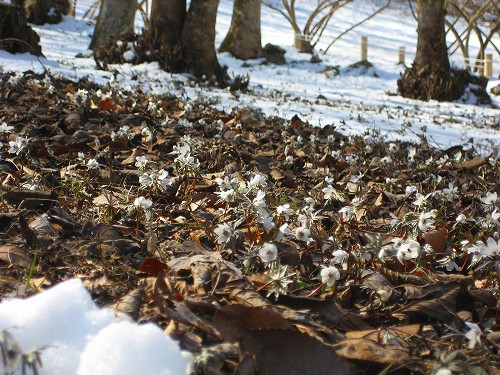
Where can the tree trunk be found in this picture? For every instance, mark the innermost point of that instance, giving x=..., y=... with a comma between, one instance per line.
x=165, y=30
x=16, y=36
x=243, y=40
x=198, y=40
x=40, y=12
x=430, y=76
x=115, y=17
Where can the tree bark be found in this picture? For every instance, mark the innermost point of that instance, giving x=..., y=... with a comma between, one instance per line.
x=115, y=17
x=165, y=30
x=430, y=76
x=40, y=12
x=243, y=39
x=16, y=36
x=432, y=53
x=167, y=18
x=198, y=40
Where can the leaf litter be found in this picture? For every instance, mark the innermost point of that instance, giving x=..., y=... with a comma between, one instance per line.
x=263, y=245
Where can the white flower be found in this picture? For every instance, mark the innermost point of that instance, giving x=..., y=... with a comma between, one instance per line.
x=410, y=190
x=393, y=147
x=267, y=221
x=473, y=335
x=450, y=192
x=461, y=218
x=408, y=250
x=92, y=164
x=141, y=161
x=121, y=134
x=284, y=210
x=420, y=199
x=329, y=275
x=227, y=196
x=224, y=232
x=4, y=128
x=143, y=202
x=283, y=231
x=340, y=256
x=351, y=159
x=259, y=200
x=426, y=220
x=329, y=192
x=147, y=134
x=17, y=146
x=302, y=234
x=146, y=180
x=490, y=198
x=257, y=181
x=386, y=160
x=347, y=213
x=268, y=252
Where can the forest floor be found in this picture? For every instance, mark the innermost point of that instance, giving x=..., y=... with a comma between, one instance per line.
x=257, y=242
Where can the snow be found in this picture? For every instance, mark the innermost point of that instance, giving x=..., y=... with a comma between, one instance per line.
x=354, y=101
x=79, y=338
x=82, y=339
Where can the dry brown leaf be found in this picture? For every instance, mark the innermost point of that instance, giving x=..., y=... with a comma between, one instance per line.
x=14, y=255
x=437, y=239
x=376, y=354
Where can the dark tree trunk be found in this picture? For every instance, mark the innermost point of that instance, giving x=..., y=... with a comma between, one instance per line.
x=430, y=76
x=198, y=40
x=115, y=17
x=167, y=19
x=40, y=12
x=16, y=36
x=243, y=40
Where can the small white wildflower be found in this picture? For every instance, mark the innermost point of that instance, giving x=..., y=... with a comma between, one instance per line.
x=386, y=160
x=92, y=164
x=408, y=250
x=426, y=220
x=225, y=233
x=259, y=200
x=461, y=218
x=147, y=134
x=146, y=180
x=227, y=195
x=4, y=128
x=141, y=162
x=283, y=231
x=351, y=159
x=17, y=146
x=258, y=181
x=143, y=202
x=410, y=190
x=285, y=211
x=393, y=147
x=340, y=256
x=329, y=192
x=302, y=234
x=490, y=199
x=267, y=221
x=329, y=276
x=473, y=335
x=268, y=252
x=347, y=213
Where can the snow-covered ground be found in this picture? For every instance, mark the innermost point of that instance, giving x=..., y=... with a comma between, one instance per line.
x=80, y=337
x=74, y=336
x=354, y=101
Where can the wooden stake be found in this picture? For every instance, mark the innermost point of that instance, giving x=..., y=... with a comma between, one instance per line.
x=488, y=65
x=364, y=48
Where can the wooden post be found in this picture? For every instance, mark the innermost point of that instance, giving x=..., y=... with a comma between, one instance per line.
x=488, y=65
x=364, y=48
x=401, y=56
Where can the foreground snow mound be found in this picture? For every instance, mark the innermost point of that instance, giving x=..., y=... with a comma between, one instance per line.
x=79, y=338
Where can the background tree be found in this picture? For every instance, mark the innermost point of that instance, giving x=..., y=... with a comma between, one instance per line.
x=430, y=76
x=186, y=41
x=309, y=35
x=40, y=12
x=115, y=17
x=243, y=40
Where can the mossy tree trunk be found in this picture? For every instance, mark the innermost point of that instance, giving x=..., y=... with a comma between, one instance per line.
x=115, y=17
x=243, y=40
x=430, y=76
